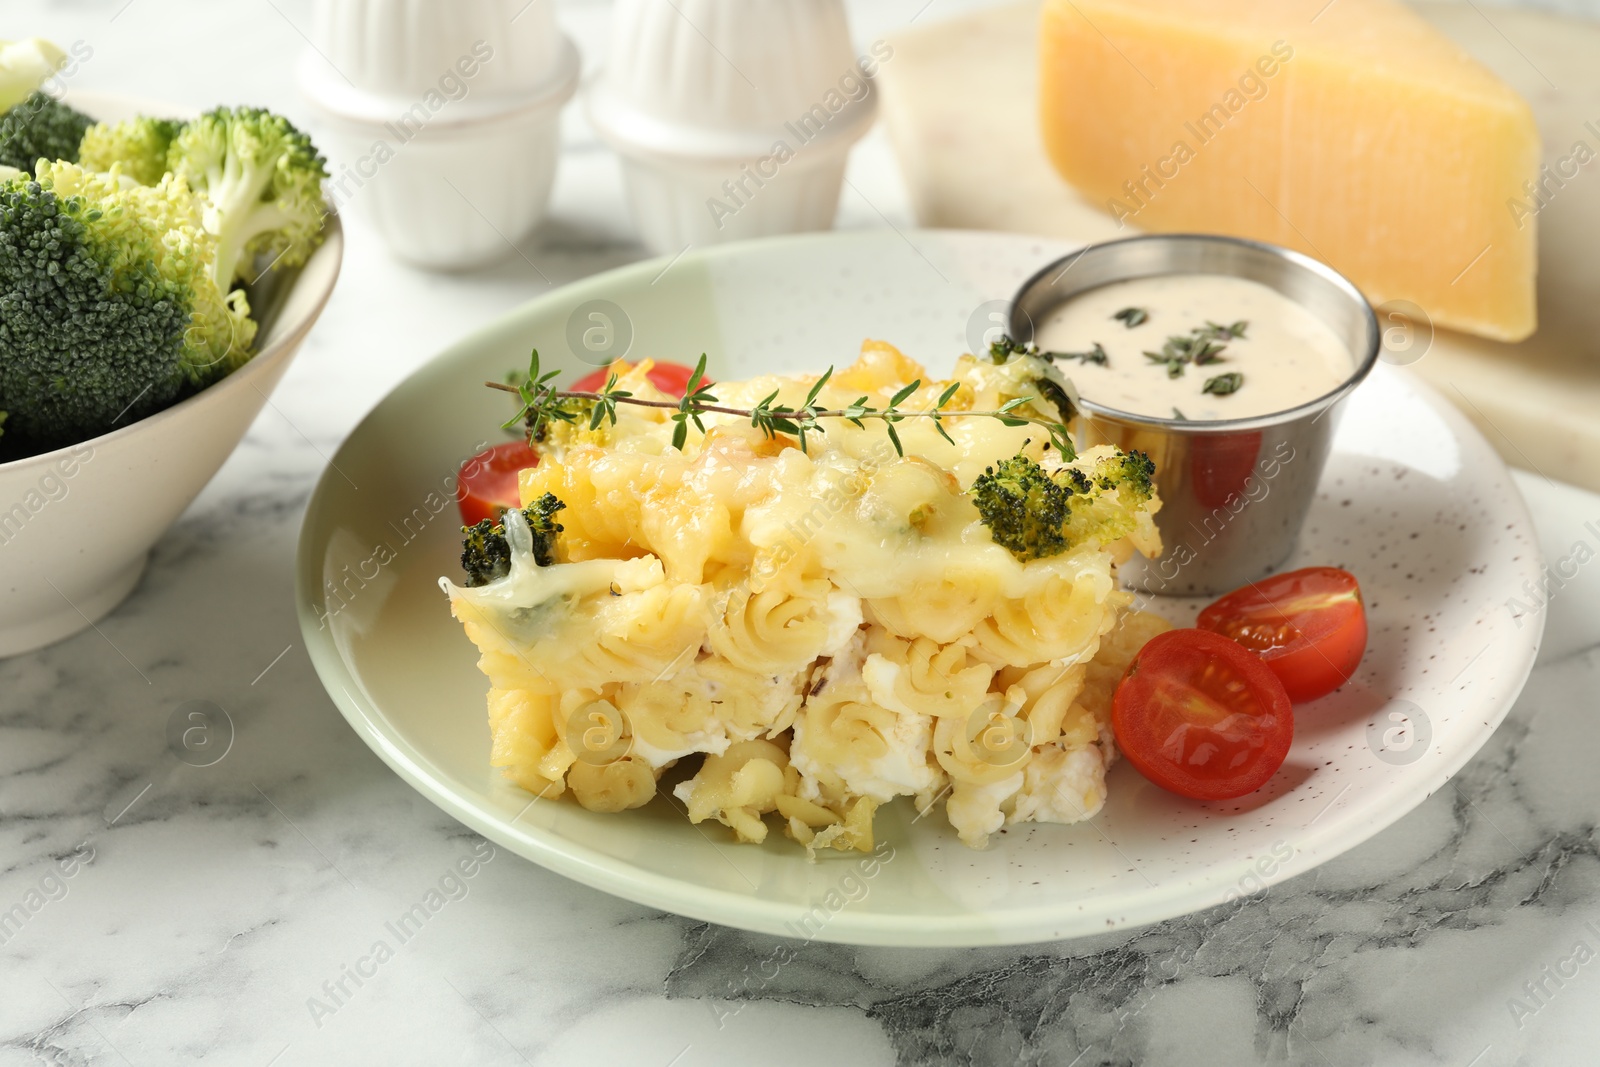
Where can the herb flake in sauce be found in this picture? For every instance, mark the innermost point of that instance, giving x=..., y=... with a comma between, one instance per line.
x=1223, y=384
x=1223, y=333
x=1096, y=355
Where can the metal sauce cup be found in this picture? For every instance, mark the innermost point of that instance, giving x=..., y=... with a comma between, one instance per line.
x=1234, y=492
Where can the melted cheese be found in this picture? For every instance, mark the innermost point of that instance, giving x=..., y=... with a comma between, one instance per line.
x=840, y=604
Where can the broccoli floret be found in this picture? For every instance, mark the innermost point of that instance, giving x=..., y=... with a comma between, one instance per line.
x=1035, y=513
x=1133, y=472
x=261, y=181
x=1002, y=350
x=1121, y=487
x=41, y=127
x=108, y=311
x=1045, y=378
x=486, y=554
x=140, y=145
x=1025, y=509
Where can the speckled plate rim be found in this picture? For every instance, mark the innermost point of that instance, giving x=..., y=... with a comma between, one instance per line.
x=976, y=927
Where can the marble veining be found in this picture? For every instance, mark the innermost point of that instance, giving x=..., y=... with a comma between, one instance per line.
x=155, y=911
x=1342, y=964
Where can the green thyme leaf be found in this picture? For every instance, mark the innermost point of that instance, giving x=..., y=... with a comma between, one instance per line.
x=1096, y=355
x=1224, y=384
x=905, y=394
x=816, y=388
x=1223, y=333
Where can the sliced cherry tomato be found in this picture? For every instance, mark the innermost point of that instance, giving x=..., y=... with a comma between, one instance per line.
x=1308, y=625
x=487, y=484
x=670, y=378
x=1200, y=716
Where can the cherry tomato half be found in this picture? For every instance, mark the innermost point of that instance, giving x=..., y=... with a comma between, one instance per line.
x=1201, y=717
x=487, y=484
x=1309, y=626
x=670, y=378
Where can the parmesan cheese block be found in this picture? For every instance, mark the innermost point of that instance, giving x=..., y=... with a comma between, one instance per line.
x=1350, y=130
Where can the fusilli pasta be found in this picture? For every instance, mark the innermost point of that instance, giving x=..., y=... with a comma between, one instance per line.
x=821, y=629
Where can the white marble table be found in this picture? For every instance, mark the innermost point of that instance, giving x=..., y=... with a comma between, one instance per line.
x=176, y=913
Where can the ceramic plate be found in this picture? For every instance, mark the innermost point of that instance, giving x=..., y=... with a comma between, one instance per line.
x=1414, y=501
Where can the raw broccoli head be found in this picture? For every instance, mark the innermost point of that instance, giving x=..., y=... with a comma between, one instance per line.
x=140, y=145
x=1035, y=513
x=41, y=127
x=486, y=554
x=261, y=182
x=108, y=311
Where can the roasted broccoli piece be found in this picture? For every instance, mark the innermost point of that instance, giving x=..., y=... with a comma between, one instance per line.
x=486, y=553
x=1022, y=371
x=1035, y=513
x=140, y=145
x=108, y=309
x=1121, y=486
x=1005, y=349
x=1025, y=509
x=41, y=127
x=260, y=179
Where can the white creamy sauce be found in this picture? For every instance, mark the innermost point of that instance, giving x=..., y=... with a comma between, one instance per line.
x=1287, y=355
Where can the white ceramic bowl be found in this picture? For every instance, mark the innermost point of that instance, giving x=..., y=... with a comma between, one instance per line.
x=62, y=567
x=734, y=118
x=405, y=47
x=461, y=183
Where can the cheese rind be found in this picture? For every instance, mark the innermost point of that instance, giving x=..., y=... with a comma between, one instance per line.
x=1362, y=137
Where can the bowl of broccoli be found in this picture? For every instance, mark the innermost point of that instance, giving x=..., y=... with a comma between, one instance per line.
x=158, y=273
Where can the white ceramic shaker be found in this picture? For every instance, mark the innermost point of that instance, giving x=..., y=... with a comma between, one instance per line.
x=445, y=119
x=734, y=118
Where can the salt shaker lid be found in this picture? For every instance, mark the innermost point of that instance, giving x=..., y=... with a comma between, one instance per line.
x=406, y=47
x=727, y=79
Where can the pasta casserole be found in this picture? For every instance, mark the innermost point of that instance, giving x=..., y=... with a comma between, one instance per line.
x=799, y=631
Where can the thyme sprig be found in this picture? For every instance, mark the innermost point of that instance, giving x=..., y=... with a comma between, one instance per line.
x=542, y=404
x=1201, y=346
